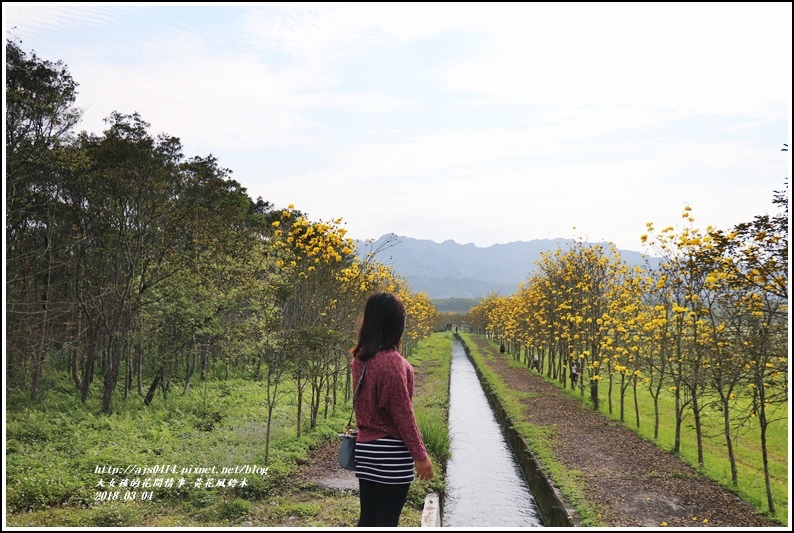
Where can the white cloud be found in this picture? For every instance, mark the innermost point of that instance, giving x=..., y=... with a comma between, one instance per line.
x=705, y=60
x=31, y=17
x=530, y=118
x=343, y=29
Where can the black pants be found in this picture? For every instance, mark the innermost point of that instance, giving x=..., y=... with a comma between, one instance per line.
x=381, y=504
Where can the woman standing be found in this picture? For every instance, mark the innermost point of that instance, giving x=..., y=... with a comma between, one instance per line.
x=388, y=445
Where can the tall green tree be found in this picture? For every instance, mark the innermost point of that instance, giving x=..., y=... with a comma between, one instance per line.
x=40, y=115
x=142, y=215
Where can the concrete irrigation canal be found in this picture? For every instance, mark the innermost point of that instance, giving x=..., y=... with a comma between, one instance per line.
x=485, y=485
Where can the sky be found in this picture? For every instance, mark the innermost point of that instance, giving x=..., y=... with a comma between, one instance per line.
x=482, y=123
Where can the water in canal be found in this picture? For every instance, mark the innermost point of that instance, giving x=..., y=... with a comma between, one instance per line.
x=485, y=486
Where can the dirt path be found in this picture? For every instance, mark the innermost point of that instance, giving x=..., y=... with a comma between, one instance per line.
x=629, y=480
x=323, y=469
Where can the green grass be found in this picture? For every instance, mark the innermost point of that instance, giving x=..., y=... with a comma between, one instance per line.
x=56, y=448
x=747, y=445
x=432, y=362
x=435, y=434
x=55, y=444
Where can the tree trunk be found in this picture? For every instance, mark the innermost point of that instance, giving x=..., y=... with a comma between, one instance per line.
x=336, y=382
x=300, y=412
x=128, y=374
x=726, y=423
x=609, y=391
x=594, y=393
x=139, y=369
x=190, y=362
x=111, y=373
x=204, y=358
x=267, y=433
x=38, y=365
x=327, y=402
x=301, y=386
x=764, y=453
x=698, y=427
x=656, y=420
x=312, y=409
x=75, y=363
x=678, y=421
x=153, y=388
x=272, y=398
x=88, y=372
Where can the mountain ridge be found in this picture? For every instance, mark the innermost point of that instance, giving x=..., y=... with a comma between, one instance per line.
x=453, y=270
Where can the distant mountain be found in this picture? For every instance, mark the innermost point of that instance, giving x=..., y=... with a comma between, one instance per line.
x=460, y=306
x=452, y=270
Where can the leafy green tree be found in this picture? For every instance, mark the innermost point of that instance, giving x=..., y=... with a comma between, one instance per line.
x=142, y=215
x=40, y=115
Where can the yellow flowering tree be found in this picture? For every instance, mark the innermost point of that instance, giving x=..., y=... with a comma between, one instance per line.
x=623, y=321
x=550, y=289
x=585, y=276
x=755, y=268
x=318, y=304
x=729, y=362
x=421, y=317
x=479, y=317
x=708, y=325
x=657, y=339
x=681, y=279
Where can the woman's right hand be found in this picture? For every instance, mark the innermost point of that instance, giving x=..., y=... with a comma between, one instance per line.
x=424, y=468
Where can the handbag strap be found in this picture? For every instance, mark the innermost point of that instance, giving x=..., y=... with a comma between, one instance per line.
x=355, y=394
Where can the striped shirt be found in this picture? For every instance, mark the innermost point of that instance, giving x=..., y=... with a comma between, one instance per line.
x=386, y=460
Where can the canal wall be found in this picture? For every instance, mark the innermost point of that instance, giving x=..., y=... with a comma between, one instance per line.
x=555, y=511
x=431, y=513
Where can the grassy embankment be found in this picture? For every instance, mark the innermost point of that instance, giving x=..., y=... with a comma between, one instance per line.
x=716, y=465
x=57, y=447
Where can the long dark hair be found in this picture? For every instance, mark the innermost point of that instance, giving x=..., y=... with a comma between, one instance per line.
x=382, y=326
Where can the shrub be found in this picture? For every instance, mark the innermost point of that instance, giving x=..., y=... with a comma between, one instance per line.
x=38, y=490
x=199, y=499
x=115, y=516
x=235, y=509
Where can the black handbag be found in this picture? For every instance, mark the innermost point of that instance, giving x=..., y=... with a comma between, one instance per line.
x=347, y=452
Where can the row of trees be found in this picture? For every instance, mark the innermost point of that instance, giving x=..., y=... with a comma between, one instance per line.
x=134, y=267
x=707, y=322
